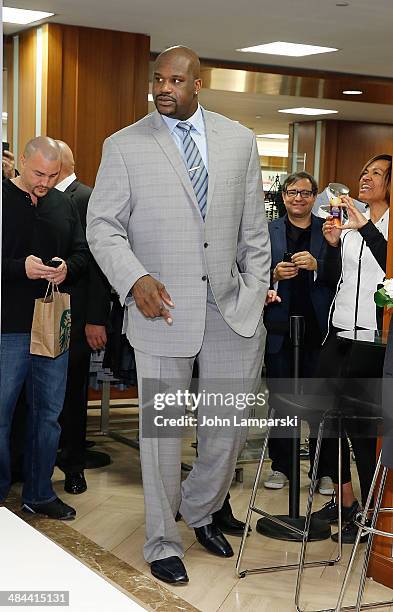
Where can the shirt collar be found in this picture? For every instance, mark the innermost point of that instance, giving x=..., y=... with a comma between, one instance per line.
x=196, y=120
x=62, y=186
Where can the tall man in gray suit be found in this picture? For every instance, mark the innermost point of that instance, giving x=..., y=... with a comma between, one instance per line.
x=177, y=222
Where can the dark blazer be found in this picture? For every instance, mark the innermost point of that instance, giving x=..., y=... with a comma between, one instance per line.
x=276, y=315
x=91, y=297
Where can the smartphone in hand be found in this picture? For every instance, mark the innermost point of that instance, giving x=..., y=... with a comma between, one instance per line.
x=287, y=257
x=53, y=263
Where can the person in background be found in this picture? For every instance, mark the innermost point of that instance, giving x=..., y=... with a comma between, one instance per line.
x=39, y=225
x=176, y=221
x=8, y=165
x=90, y=305
x=363, y=245
x=305, y=271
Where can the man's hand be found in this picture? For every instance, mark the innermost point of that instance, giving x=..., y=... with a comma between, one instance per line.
x=8, y=165
x=331, y=232
x=284, y=270
x=95, y=336
x=35, y=268
x=57, y=275
x=150, y=296
x=305, y=261
x=271, y=297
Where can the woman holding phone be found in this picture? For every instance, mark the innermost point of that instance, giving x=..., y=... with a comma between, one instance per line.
x=363, y=243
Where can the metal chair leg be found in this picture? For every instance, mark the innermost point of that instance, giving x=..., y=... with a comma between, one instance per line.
x=312, y=488
x=362, y=524
x=374, y=518
x=311, y=492
x=252, y=502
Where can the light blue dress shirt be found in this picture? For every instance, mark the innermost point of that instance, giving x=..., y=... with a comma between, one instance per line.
x=198, y=133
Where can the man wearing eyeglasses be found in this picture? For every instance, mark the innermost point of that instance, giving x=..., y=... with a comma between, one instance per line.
x=304, y=273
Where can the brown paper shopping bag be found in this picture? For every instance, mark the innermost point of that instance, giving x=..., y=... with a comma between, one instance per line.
x=51, y=328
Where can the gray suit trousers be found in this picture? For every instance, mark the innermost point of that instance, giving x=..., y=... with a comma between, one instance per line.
x=224, y=355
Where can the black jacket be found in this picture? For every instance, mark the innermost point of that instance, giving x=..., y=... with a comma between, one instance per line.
x=321, y=291
x=90, y=298
x=50, y=229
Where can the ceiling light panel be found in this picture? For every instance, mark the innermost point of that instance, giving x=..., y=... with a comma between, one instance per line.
x=307, y=111
x=23, y=17
x=274, y=136
x=288, y=49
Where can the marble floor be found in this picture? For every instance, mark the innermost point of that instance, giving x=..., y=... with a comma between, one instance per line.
x=108, y=535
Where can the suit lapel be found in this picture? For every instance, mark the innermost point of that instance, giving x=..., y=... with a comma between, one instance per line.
x=316, y=239
x=213, y=154
x=279, y=241
x=165, y=140
x=72, y=188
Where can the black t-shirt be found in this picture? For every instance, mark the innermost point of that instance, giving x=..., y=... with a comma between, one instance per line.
x=50, y=229
x=298, y=239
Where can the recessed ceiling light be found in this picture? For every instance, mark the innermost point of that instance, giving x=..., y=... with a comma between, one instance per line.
x=21, y=16
x=352, y=92
x=342, y=3
x=307, y=111
x=150, y=97
x=288, y=49
x=257, y=116
x=273, y=136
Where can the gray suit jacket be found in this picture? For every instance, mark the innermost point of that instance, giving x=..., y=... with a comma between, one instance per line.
x=143, y=218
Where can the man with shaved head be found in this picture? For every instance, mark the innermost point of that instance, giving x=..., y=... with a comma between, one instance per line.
x=176, y=221
x=90, y=305
x=42, y=242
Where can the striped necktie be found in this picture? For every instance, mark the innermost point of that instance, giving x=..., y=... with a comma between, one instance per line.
x=196, y=168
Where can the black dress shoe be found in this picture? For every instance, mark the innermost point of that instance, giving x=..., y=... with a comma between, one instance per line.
x=170, y=569
x=55, y=509
x=75, y=483
x=224, y=520
x=212, y=538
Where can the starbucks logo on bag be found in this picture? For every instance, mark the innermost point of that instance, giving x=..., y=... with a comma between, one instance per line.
x=65, y=330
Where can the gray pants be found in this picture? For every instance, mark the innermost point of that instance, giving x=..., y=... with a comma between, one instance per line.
x=224, y=355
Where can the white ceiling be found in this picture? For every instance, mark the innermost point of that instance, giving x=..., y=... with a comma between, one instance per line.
x=363, y=31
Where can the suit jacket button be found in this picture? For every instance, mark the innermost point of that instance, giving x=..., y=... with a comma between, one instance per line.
x=204, y=277
x=206, y=245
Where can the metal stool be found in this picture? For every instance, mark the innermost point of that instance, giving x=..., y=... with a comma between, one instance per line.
x=335, y=412
x=372, y=530
x=298, y=406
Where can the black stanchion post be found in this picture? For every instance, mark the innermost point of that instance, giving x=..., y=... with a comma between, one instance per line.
x=319, y=530
x=297, y=336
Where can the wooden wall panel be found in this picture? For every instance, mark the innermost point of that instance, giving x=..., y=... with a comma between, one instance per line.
x=328, y=163
x=356, y=143
x=9, y=67
x=97, y=84
x=27, y=85
x=54, y=93
x=290, y=149
x=306, y=143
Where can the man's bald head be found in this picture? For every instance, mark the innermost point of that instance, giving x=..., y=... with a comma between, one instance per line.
x=67, y=160
x=176, y=82
x=39, y=166
x=183, y=53
x=45, y=145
